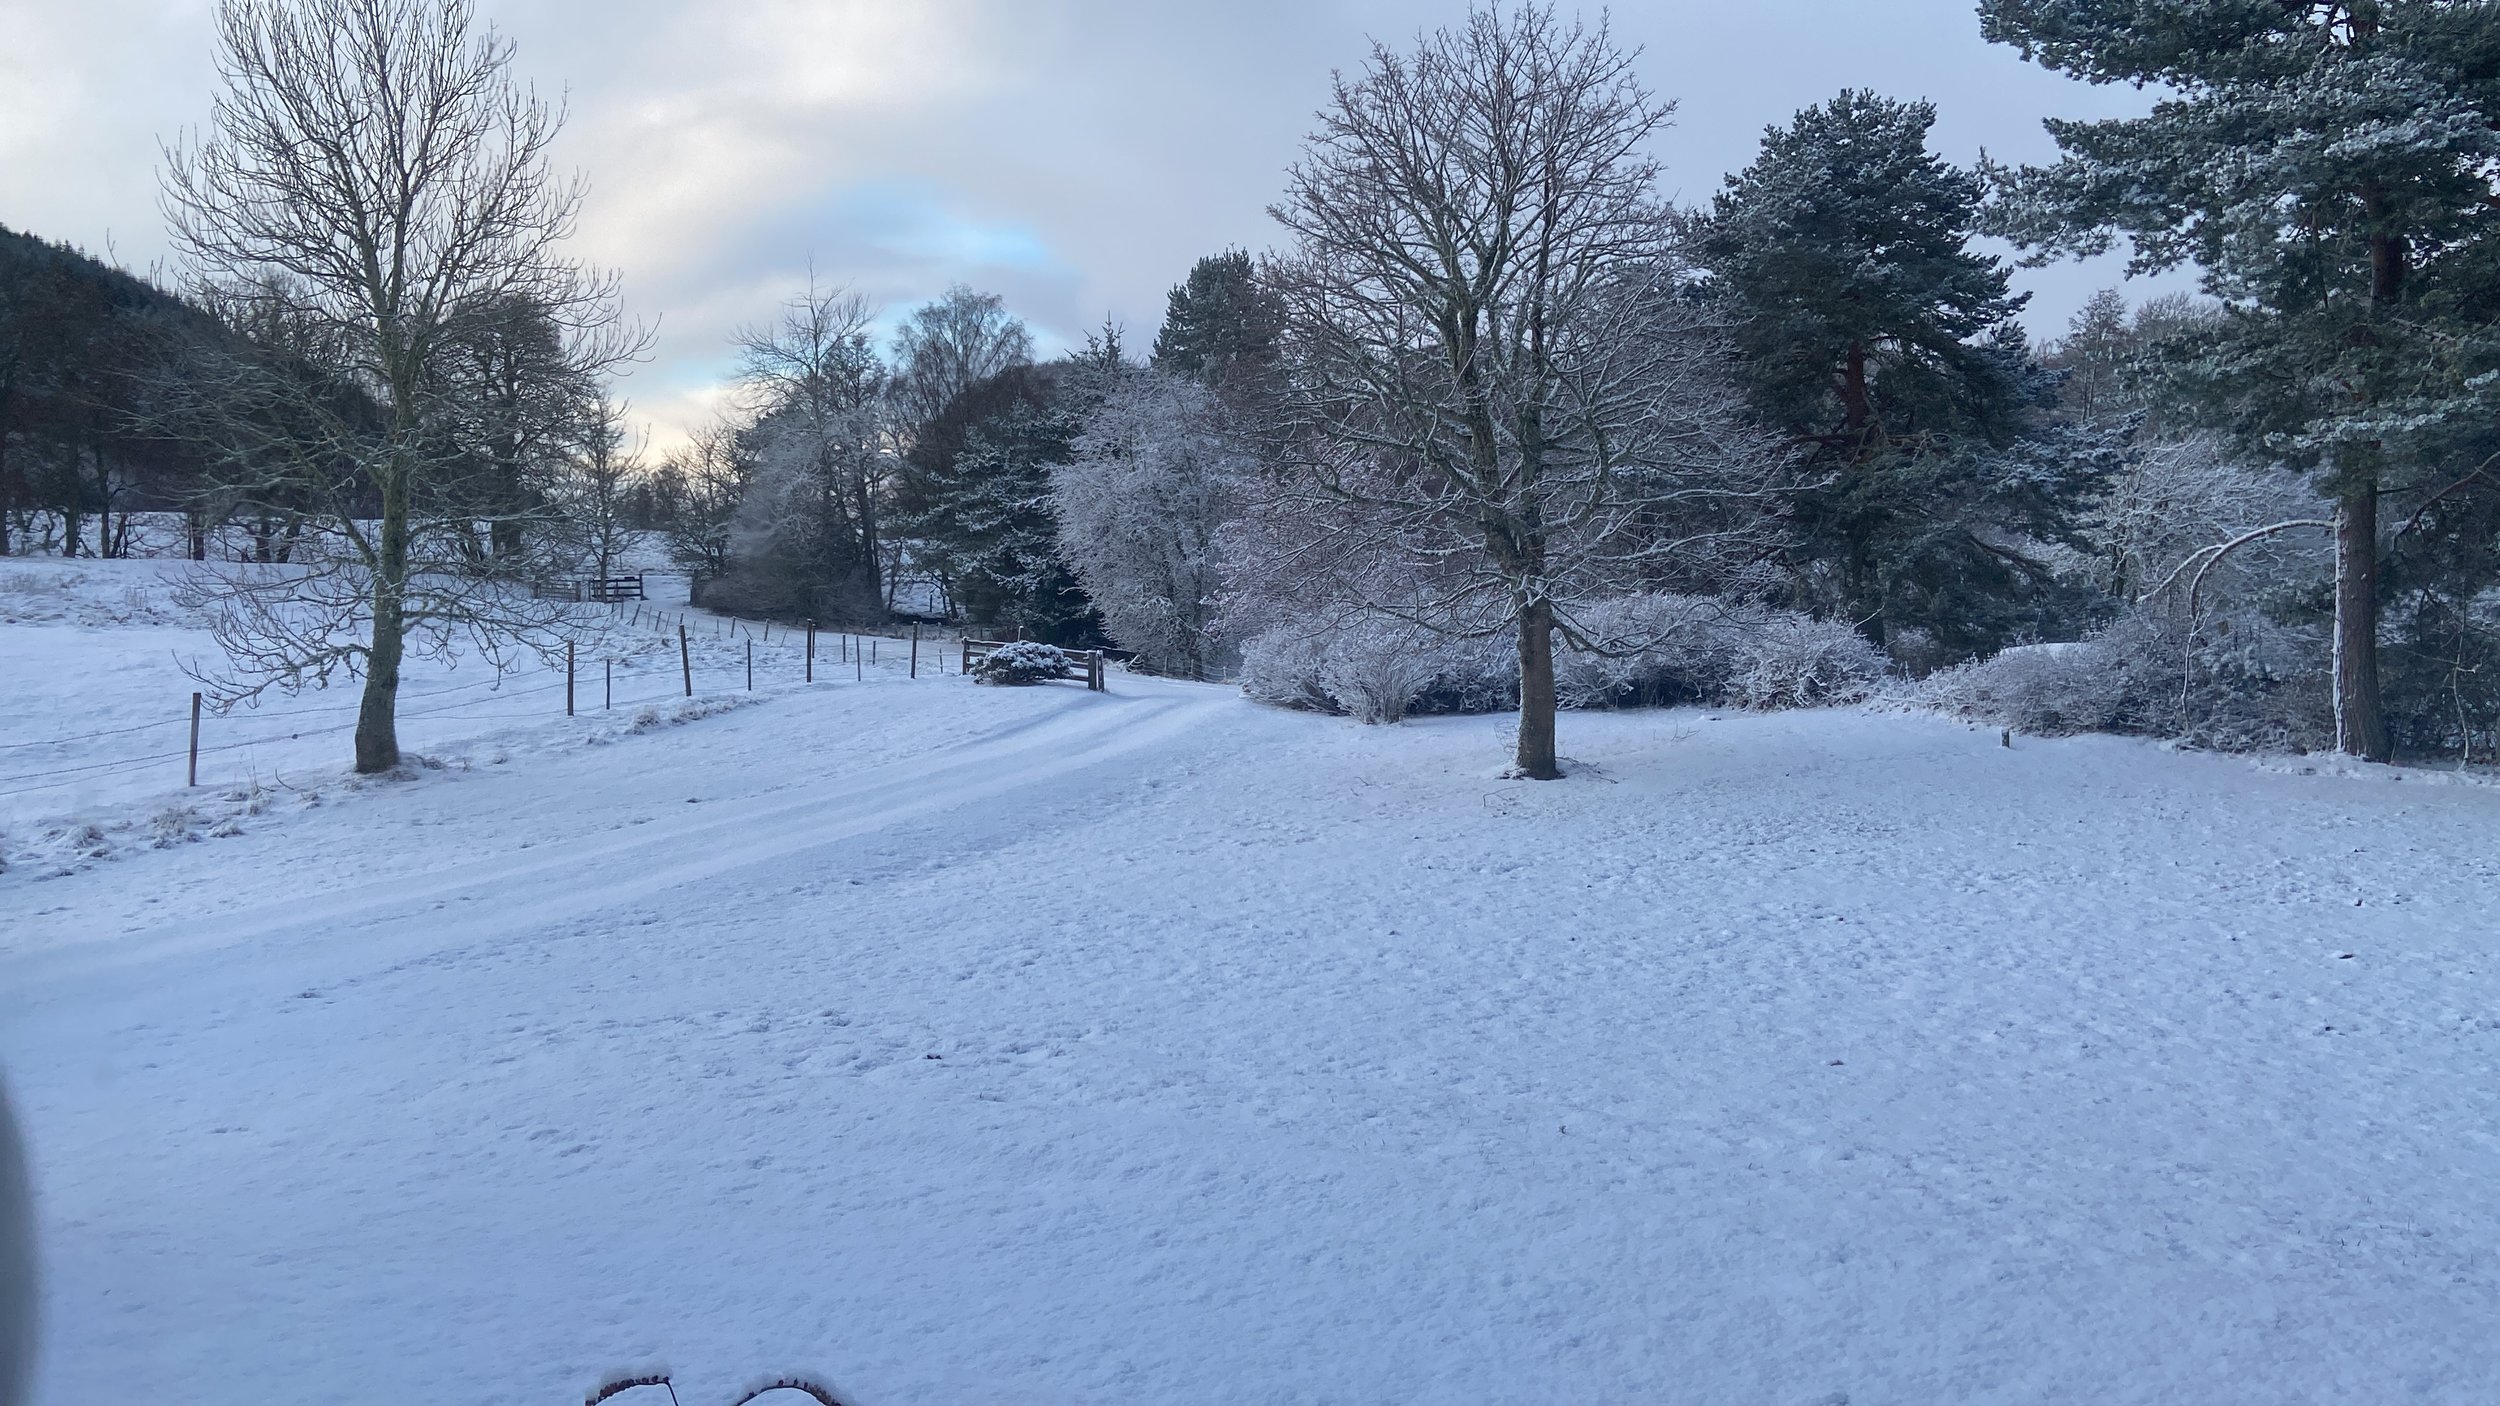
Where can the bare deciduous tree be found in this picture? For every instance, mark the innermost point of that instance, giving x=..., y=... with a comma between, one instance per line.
x=702, y=485
x=947, y=345
x=823, y=447
x=374, y=174
x=594, y=493
x=1490, y=376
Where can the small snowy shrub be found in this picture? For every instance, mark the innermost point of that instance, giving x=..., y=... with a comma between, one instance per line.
x=1788, y=660
x=2051, y=690
x=1022, y=662
x=1376, y=669
x=658, y=716
x=1667, y=649
x=174, y=825
x=1281, y=667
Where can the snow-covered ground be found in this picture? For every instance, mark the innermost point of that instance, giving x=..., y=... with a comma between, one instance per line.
x=980, y=1046
x=95, y=702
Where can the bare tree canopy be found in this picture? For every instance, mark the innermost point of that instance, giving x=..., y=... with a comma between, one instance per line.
x=818, y=433
x=1491, y=378
x=374, y=181
x=949, y=345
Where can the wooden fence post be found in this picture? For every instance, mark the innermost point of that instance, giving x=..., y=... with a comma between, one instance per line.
x=685, y=658
x=750, y=664
x=568, y=678
x=915, y=649
x=195, y=740
x=811, y=651
x=611, y=700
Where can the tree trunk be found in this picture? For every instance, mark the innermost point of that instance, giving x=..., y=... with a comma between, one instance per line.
x=1857, y=407
x=1536, y=759
x=377, y=717
x=2360, y=725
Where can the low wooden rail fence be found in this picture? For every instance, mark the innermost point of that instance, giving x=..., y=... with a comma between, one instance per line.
x=1085, y=664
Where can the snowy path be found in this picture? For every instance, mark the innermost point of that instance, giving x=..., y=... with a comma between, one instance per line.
x=1280, y=1060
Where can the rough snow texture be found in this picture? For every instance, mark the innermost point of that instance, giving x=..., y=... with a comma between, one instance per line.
x=966, y=1046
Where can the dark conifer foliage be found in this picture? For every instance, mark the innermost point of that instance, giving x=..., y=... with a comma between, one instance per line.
x=2330, y=169
x=85, y=353
x=1884, y=345
x=975, y=492
x=1221, y=325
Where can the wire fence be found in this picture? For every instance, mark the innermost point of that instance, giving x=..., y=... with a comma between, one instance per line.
x=814, y=655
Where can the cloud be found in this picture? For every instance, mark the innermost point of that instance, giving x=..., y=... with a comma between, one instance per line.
x=1072, y=155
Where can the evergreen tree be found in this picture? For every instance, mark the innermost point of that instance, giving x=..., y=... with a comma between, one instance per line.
x=1883, y=345
x=975, y=492
x=2330, y=168
x=1219, y=326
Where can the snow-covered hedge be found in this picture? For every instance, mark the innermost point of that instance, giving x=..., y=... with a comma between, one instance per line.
x=1022, y=662
x=1375, y=669
x=1664, y=649
x=1667, y=649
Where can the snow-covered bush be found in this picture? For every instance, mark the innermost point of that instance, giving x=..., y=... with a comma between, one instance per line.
x=2242, y=682
x=1657, y=650
x=1786, y=660
x=1665, y=649
x=1022, y=662
x=1376, y=669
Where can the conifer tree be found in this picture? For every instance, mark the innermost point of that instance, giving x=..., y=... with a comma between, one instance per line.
x=1220, y=327
x=1873, y=334
x=2330, y=169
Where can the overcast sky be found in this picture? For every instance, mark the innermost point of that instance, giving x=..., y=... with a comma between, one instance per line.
x=1073, y=155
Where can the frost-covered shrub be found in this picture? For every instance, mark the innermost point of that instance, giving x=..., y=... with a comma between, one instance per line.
x=1660, y=650
x=1787, y=660
x=1376, y=669
x=1667, y=649
x=2242, y=682
x=1022, y=662
x=2048, y=689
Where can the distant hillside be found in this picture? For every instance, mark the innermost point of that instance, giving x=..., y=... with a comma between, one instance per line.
x=83, y=345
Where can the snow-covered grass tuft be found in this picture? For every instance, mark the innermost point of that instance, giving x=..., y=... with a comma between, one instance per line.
x=660, y=715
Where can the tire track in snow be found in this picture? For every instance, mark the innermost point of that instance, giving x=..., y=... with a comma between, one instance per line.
x=573, y=878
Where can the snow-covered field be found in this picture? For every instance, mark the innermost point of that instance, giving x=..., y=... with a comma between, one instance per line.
x=95, y=703
x=980, y=1046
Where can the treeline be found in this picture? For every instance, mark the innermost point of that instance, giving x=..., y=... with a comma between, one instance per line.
x=1499, y=427
x=1494, y=425
x=84, y=350
x=119, y=397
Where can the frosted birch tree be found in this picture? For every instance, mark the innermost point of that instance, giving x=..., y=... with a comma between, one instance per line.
x=1156, y=477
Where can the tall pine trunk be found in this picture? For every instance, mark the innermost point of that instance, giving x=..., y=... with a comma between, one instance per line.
x=1536, y=759
x=2360, y=724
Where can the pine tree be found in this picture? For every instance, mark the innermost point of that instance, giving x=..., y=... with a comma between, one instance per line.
x=1220, y=326
x=1882, y=343
x=2330, y=168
